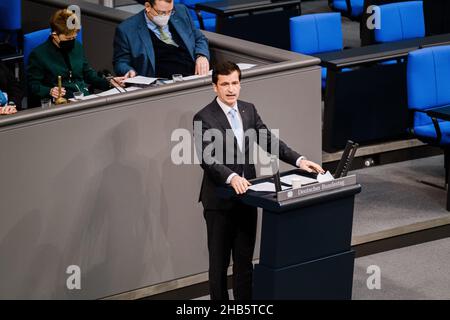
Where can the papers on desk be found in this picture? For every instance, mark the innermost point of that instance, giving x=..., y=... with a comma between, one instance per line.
x=113, y=91
x=140, y=80
x=265, y=186
x=303, y=180
x=109, y=92
x=91, y=96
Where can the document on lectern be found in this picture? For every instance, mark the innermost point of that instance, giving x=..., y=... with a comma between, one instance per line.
x=327, y=176
x=265, y=186
x=303, y=180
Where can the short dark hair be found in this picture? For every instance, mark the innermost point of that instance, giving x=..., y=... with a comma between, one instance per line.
x=224, y=68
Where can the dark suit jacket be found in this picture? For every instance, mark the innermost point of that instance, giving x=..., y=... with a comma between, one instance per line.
x=216, y=170
x=133, y=47
x=9, y=85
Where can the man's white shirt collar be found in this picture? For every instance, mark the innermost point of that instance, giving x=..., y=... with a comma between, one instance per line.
x=226, y=108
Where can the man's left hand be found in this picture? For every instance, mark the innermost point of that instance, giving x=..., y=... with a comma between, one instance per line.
x=201, y=66
x=310, y=166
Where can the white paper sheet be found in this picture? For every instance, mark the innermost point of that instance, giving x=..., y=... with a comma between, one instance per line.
x=303, y=180
x=327, y=176
x=113, y=91
x=140, y=80
x=265, y=186
x=244, y=66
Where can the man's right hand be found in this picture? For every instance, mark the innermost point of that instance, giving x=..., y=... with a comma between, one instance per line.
x=240, y=184
x=130, y=74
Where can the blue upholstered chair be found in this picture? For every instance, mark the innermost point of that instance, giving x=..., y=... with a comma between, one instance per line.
x=207, y=20
x=33, y=39
x=428, y=82
x=401, y=21
x=351, y=8
x=11, y=23
x=316, y=33
x=428, y=79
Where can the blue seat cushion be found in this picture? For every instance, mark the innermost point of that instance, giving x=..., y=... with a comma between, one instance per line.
x=429, y=132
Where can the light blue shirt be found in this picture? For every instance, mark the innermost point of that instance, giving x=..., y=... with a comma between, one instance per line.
x=153, y=27
x=225, y=108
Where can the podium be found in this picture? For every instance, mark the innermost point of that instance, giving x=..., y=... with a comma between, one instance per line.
x=305, y=239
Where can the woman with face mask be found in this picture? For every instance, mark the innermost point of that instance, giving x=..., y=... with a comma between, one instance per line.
x=62, y=55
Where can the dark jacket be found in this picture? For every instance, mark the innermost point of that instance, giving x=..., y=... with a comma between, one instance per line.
x=216, y=172
x=9, y=85
x=47, y=62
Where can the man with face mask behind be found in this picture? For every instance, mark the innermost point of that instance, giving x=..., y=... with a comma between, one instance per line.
x=61, y=55
x=160, y=41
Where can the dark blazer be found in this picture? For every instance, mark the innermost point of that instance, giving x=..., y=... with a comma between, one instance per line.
x=216, y=172
x=9, y=85
x=46, y=63
x=133, y=47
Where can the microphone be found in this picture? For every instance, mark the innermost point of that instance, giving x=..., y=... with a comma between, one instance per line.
x=276, y=175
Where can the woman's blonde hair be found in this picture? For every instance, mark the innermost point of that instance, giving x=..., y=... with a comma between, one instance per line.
x=62, y=22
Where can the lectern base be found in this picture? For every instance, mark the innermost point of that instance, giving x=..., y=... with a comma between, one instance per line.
x=325, y=278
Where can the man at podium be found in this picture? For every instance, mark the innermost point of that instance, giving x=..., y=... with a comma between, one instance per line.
x=231, y=225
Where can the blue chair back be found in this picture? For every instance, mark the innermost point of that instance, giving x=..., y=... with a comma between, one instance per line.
x=401, y=21
x=357, y=6
x=315, y=33
x=428, y=81
x=11, y=15
x=34, y=39
x=209, y=19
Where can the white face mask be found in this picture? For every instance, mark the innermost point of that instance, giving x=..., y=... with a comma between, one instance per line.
x=161, y=21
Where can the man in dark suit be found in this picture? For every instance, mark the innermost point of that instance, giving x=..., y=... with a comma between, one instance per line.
x=160, y=41
x=231, y=225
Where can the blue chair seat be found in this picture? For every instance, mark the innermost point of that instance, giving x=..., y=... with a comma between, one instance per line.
x=429, y=132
